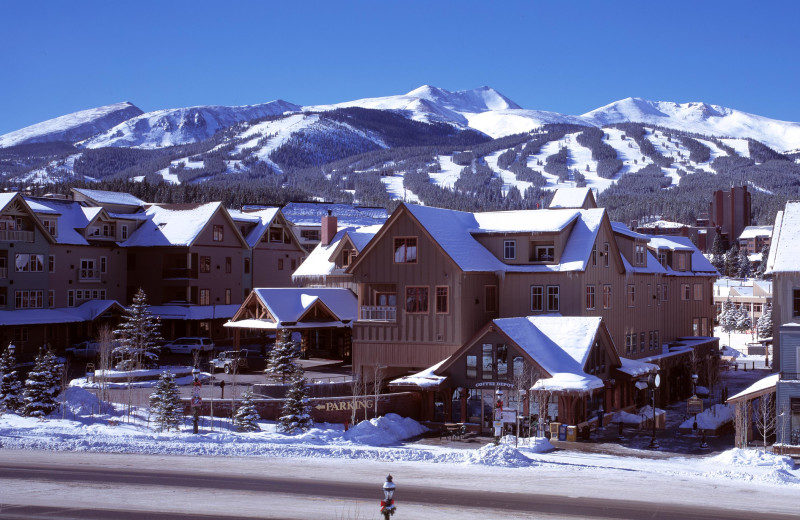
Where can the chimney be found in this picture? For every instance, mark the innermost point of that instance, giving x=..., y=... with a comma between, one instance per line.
x=329, y=225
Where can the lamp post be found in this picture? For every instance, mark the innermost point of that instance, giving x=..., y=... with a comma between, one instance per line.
x=654, y=381
x=195, y=400
x=387, y=504
x=498, y=416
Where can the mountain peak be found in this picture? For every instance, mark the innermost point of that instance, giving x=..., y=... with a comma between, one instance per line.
x=477, y=100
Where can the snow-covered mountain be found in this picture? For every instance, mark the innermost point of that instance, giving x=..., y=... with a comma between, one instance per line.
x=72, y=127
x=183, y=125
x=700, y=118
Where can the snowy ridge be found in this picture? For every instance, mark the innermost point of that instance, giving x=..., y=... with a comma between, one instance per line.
x=183, y=125
x=72, y=127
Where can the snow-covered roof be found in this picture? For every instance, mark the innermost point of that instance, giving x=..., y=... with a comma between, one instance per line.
x=783, y=257
x=755, y=231
x=110, y=197
x=288, y=305
x=172, y=224
x=193, y=312
x=319, y=264
x=311, y=213
x=663, y=224
x=71, y=218
x=263, y=218
x=455, y=232
x=568, y=382
x=569, y=198
x=622, y=229
x=653, y=265
x=88, y=311
x=758, y=388
x=426, y=380
x=636, y=368
x=700, y=264
x=666, y=242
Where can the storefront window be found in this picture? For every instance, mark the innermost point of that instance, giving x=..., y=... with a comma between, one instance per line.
x=519, y=367
x=487, y=361
x=502, y=362
x=472, y=367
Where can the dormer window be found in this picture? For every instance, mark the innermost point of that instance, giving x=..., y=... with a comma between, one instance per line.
x=346, y=257
x=682, y=261
x=640, y=256
x=662, y=258
x=544, y=253
x=50, y=226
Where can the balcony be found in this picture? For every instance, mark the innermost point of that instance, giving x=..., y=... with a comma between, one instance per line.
x=378, y=313
x=12, y=235
x=89, y=275
x=171, y=273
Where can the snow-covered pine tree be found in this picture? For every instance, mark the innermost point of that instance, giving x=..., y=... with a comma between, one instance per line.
x=282, y=359
x=727, y=318
x=296, y=408
x=42, y=386
x=137, y=333
x=732, y=261
x=743, y=320
x=765, y=323
x=246, y=417
x=10, y=385
x=165, y=403
x=745, y=269
x=762, y=265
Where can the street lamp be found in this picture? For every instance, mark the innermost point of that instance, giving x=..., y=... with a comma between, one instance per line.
x=653, y=382
x=387, y=504
x=498, y=416
x=195, y=400
x=694, y=385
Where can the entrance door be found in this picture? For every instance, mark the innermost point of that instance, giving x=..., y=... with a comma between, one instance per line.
x=487, y=409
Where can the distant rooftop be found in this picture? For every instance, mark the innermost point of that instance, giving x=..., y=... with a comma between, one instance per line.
x=110, y=197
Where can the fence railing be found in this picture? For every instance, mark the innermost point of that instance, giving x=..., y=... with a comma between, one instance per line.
x=14, y=235
x=378, y=313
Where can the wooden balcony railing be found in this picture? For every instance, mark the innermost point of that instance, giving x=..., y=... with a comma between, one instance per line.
x=378, y=313
x=89, y=275
x=8, y=235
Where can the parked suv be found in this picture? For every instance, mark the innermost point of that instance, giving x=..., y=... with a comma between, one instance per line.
x=231, y=360
x=188, y=345
x=83, y=350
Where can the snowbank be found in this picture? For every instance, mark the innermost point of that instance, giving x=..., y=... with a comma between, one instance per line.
x=384, y=431
x=500, y=455
x=711, y=418
x=78, y=401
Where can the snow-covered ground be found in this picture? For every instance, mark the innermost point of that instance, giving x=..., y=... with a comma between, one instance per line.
x=396, y=190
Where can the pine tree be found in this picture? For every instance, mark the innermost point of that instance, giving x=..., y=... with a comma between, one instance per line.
x=246, y=417
x=42, y=386
x=727, y=318
x=732, y=262
x=165, y=403
x=743, y=320
x=718, y=255
x=10, y=385
x=745, y=268
x=138, y=333
x=762, y=265
x=765, y=323
x=282, y=359
x=296, y=409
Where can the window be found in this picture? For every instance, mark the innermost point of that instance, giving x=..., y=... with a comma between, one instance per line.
x=509, y=249
x=630, y=343
x=416, y=300
x=490, y=293
x=310, y=234
x=685, y=291
x=228, y=264
x=219, y=233
x=589, y=297
x=666, y=292
x=698, y=292
x=205, y=296
x=606, y=254
x=405, y=250
x=662, y=258
x=29, y=263
x=345, y=257
x=20, y=334
x=29, y=299
x=639, y=254
x=71, y=298
x=537, y=298
x=472, y=367
x=294, y=264
x=657, y=343
x=649, y=295
x=88, y=270
x=123, y=231
x=205, y=264
x=502, y=362
x=757, y=307
x=246, y=266
x=641, y=342
x=631, y=295
x=51, y=264
x=518, y=367
x=227, y=296
x=796, y=303
x=487, y=361
x=442, y=300
x=51, y=298
x=50, y=226
x=606, y=296
x=594, y=255
x=103, y=264
x=276, y=234
x=651, y=345
x=681, y=262
x=545, y=253
x=553, y=296
x=280, y=264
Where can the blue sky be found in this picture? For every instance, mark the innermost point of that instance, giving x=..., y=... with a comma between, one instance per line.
x=569, y=57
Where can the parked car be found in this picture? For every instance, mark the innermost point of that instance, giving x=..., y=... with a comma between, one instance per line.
x=231, y=360
x=188, y=345
x=83, y=350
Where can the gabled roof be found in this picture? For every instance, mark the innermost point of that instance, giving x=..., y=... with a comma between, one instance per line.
x=89, y=311
x=289, y=305
x=319, y=263
x=177, y=225
x=262, y=218
x=783, y=254
x=574, y=198
x=71, y=218
x=756, y=231
x=110, y=197
x=455, y=233
x=700, y=264
x=6, y=199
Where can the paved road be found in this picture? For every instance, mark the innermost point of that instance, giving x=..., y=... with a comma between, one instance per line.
x=168, y=494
